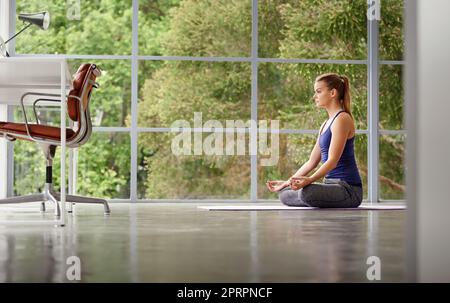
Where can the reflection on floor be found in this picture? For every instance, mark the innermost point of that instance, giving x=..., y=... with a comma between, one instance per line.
x=174, y=242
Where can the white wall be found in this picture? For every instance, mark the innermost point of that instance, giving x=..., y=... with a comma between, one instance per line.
x=433, y=140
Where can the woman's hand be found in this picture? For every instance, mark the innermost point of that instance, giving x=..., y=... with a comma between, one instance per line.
x=275, y=186
x=300, y=182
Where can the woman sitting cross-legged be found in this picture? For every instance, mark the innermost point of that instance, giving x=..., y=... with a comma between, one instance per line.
x=342, y=186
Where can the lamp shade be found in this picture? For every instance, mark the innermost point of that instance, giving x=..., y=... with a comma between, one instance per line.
x=41, y=19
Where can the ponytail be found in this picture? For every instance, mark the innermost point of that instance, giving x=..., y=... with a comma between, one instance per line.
x=346, y=96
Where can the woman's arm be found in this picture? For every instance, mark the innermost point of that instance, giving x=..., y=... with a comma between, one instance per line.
x=306, y=168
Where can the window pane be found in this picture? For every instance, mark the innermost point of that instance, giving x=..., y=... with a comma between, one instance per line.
x=77, y=27
x=361, y=159
x=164, y=174
x=202, y=28
x=286, y=93
x=107, y=173
x=294, y=151
x=391, y=97
x=392, y=167
x=173, y=91
x=110, y=103
x=391, y=45
x=30, y=166
x=48, y=114
x=313, y=29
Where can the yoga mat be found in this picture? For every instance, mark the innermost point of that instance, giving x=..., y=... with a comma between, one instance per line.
x=284, y=207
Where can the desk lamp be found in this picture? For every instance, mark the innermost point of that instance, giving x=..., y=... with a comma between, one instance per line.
x=41, y=19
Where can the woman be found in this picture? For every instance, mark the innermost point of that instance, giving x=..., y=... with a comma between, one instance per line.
x=342, y=186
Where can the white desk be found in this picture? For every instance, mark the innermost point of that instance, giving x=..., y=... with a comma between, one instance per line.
x=43, y=75
x=21, y=75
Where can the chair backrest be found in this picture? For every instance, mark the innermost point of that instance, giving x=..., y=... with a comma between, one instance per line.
x=83, y=82
x=78, y=102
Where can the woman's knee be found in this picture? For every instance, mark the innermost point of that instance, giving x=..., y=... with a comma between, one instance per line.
x=288, y=197
x=284, y=196
x=307, y=194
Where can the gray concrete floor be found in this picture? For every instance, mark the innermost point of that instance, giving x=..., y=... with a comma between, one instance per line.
x=177, y=242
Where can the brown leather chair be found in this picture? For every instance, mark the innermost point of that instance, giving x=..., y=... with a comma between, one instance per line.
x=49, y=137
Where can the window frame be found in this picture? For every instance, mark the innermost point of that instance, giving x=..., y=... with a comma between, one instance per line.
x=372, y=62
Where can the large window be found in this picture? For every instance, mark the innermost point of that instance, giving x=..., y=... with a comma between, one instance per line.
x=173, y=61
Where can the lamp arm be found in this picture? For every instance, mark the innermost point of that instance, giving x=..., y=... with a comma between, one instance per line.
x=27, y=26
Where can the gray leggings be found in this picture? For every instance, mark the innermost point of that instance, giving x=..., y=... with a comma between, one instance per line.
x=333, y=193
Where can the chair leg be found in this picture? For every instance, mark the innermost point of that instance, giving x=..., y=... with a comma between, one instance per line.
x=81, y=199
x=45, y=196
x=24, y=199
x=52, y=198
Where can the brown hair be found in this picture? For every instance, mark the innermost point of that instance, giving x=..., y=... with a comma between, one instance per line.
x=342, y=86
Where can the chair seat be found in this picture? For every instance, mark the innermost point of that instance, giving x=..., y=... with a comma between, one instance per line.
x=42, y=131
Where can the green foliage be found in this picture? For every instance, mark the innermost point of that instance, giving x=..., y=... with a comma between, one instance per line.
x=209, y=28
x=103, y=27
x=104, y=166
x=391, y=43
x=154, y=22
x=192, y=177
x=323, y=29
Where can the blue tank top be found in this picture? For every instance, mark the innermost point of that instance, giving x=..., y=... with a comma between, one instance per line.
x=346, y=168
